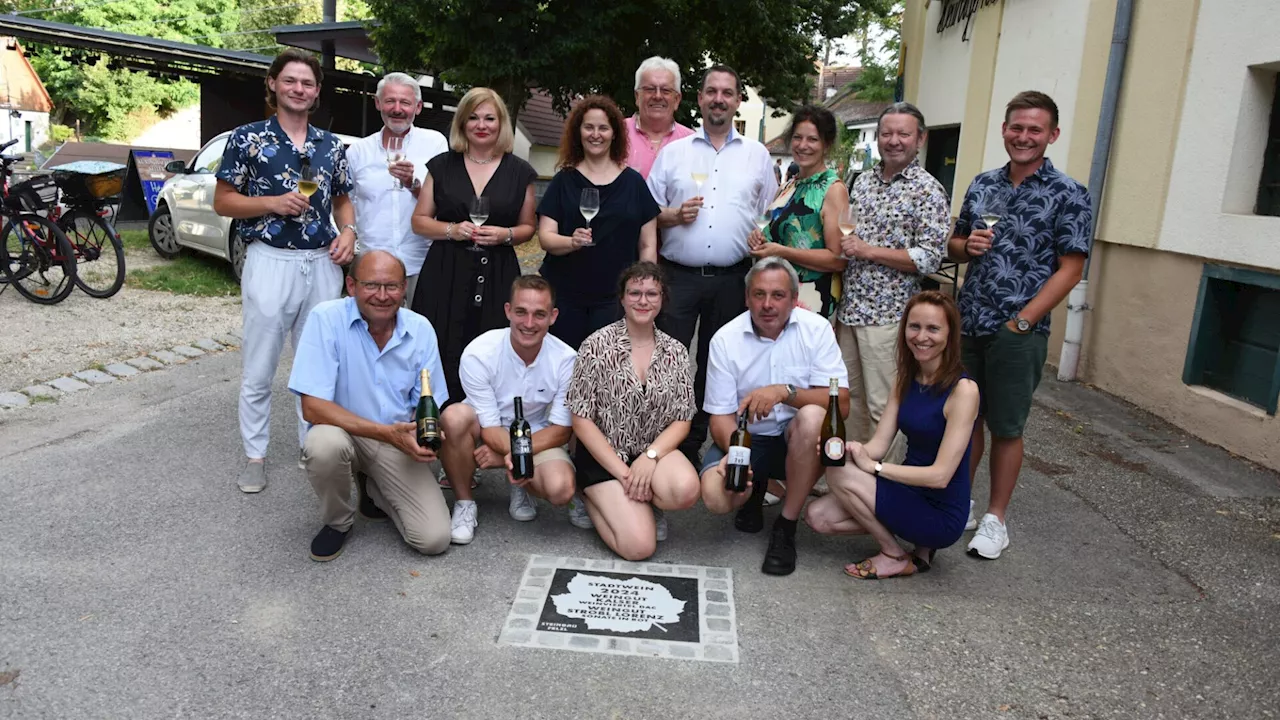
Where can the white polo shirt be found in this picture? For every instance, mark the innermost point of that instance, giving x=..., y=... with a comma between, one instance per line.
x=740, y=185
x=739, y=361
x=493, y=376
x=383, y=206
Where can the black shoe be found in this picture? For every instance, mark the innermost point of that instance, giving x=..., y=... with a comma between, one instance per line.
x=368, y=510
x=780, y=559
x=750, y=517
x=327, y=544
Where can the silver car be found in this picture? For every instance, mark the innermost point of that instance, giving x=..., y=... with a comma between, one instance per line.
x=184, y=216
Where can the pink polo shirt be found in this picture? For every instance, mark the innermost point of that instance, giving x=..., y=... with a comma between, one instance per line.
x=640, y=154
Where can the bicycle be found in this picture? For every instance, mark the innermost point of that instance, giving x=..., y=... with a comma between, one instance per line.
x=36, y=257
x=99, y=251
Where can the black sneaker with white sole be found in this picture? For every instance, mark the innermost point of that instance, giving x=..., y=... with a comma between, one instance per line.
x=327, y=544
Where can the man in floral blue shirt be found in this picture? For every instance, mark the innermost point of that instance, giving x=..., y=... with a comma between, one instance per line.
x=1024, y=230
x=295, y=253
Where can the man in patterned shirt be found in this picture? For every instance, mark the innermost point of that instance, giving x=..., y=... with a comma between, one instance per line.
x=1017, y=274
x=294, y=256
x=903, y=219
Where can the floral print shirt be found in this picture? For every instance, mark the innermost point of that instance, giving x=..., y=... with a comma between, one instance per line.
x=260, y=160
x=909, y=211
x=796, y=217
x=631, y=414
x=1047, y=216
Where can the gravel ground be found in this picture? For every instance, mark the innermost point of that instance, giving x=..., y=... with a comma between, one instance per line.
x=42, y=342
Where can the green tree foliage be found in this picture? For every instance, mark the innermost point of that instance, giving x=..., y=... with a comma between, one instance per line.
x=572, y=47
x=879, y=58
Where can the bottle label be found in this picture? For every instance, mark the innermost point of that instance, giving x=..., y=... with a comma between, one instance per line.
x=522, y=446
x=428, y=428
x=834, y=448
x=739, y=455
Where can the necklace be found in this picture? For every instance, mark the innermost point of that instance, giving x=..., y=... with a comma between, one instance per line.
x=480, y=162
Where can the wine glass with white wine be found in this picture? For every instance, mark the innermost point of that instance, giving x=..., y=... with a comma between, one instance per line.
x=479, y=213
x=992, y=208
x=308, y=179
x=395, y=153
x=849, y=219
x=589, y=206
x=699, y=175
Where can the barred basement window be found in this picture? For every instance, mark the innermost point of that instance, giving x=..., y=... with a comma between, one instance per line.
x=1235, y=336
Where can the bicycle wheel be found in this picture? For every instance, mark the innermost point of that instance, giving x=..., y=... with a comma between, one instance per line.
x=99, y=253
x=37, y=259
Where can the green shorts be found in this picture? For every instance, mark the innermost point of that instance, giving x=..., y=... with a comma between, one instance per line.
x=1007, y=367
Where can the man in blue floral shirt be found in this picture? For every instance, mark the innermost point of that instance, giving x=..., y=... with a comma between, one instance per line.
x=295, y=253
x=1024, y=230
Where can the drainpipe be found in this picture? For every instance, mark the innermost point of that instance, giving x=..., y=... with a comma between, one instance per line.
x=1069, y=362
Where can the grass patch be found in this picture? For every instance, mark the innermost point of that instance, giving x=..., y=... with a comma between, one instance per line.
x=188, y=275
x=135, y=240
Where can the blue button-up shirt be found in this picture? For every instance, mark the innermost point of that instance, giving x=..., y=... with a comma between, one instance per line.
x=337, y=360
x=1047, y=216
x=260, y=161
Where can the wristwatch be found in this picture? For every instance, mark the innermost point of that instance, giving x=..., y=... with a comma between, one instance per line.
x=1023, y=324
x=791, y=392
x=352, y=228
x=651, y=454
x=879, y=467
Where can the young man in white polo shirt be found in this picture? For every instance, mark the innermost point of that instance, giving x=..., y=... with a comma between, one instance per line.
x=774, y=363
x=497, y=367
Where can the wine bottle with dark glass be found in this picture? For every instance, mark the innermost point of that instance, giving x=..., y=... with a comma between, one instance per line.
x=736, y=471
x=521, y=445
x=427, y=416
x=833, y=450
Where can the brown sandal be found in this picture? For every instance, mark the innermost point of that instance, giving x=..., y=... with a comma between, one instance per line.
x=866, y=570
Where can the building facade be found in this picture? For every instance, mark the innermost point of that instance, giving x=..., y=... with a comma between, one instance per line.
x=1183, y=313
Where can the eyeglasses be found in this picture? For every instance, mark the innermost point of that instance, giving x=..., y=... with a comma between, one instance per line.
x=663, y=91
x=374, y=287
x=650, y=295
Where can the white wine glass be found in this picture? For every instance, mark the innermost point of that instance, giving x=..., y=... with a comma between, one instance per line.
x=395, y=153
x=992, y=208
x=699, y=175
x=848, y=219
x=479, y=214
x=589, y=206
x=308, y=179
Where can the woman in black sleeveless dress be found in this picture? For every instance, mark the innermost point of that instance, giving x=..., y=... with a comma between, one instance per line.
x=466, y=277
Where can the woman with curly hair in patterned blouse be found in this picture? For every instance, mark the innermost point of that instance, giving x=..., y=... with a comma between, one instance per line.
x=632, y=402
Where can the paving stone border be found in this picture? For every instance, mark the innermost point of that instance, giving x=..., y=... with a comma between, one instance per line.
x=717, y=613
x=55, y=388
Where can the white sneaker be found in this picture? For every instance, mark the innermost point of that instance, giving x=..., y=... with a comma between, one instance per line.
x=464, y=522
x=522, y=507
x=972, y=522
x=578, y=516
x=660, y=520
x=991, y=539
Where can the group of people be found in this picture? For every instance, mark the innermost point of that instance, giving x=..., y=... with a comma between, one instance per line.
x=692, y=236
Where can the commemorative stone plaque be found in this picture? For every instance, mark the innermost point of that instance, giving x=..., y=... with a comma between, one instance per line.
x=613, y=606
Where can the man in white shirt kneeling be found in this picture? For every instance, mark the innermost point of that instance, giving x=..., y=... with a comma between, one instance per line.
x=773, y=363
x=497, y=367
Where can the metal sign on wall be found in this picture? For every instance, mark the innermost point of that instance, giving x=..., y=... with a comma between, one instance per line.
x=956, y=11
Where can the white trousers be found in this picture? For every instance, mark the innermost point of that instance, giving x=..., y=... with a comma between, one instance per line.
x=278, y=288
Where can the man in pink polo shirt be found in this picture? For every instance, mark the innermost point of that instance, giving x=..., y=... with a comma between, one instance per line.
x=654, y=124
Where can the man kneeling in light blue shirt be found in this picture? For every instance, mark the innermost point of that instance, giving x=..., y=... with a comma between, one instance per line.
x=357, y=372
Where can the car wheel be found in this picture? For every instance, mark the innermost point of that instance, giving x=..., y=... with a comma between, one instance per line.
x=236, y=252
x=161, y=233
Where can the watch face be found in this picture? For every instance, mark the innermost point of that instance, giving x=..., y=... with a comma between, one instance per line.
x=651, y=454
x=1023, y=325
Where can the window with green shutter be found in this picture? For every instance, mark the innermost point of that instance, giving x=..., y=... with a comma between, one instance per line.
x=1235, y=336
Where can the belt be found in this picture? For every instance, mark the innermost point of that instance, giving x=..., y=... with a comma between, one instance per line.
x=739, y=268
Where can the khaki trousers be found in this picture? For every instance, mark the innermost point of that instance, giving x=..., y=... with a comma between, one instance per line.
x=870, y=356
x=402, y=487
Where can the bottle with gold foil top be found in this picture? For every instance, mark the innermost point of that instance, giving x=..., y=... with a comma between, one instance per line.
x=833, y=450
x=427, y=416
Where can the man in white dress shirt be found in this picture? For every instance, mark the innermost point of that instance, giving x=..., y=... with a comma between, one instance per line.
x=774, y=363
x=711, y=186
x=497, y=367
x=386, y=193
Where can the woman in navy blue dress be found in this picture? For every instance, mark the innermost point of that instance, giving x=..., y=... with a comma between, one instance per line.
x=924, y=501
